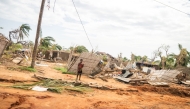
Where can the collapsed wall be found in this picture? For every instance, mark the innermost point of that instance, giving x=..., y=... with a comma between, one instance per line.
x=3, y=44
x=90, y=62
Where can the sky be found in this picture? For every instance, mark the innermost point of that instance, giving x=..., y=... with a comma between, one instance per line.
x=113, y=26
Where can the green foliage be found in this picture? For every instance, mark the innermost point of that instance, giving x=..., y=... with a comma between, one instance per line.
x=125, y=59
x=15, y=47
x=24, y=86
x=80, y=49
x=138, y=58
x=24, y=31
x=1, y=27
x=170, y=63
x=55, y=86
x=11, y=49
x=157, y=62
x=79, y=89
x=145, y=58
x=30, y=69
x=183, y=58
x=51, y=83
x=105, y=58
x=56, y=47
x=46, y=43
x=71, y=73
x=180, y=47
x=55, y=89
x=64, y=70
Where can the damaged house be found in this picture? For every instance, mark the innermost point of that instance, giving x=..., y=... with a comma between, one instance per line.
x=58, y=55
x=3, y=44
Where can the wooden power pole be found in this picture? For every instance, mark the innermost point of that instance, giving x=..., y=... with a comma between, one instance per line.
x=37, y=34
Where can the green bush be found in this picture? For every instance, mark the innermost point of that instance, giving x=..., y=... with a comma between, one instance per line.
x=55, y=89
x=30, y=69
x=64, y=70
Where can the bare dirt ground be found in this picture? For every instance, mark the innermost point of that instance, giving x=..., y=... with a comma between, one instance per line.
x=125, y=97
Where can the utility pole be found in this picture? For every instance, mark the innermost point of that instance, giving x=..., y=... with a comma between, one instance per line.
x=37, y=34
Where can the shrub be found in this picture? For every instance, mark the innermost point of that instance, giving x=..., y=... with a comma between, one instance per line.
x=30, y=69
x=64, y=70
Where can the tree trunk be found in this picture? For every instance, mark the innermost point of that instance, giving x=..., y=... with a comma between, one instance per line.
x=37, y=34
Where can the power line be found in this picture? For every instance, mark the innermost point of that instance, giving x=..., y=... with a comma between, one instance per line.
x=54, y=5
x=82, y=24
x=172, y=7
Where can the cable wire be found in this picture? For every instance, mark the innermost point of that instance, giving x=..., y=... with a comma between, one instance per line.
x=172, y=7
x=82, y=24
x=54, y=5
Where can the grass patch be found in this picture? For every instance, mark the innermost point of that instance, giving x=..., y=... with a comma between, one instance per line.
x=25, y=86
x=55, y=89
x=52, y=83
x=30, y=69
x=79, y=89
x=72, y=73
x=64, y=70
x=55, y=86
x=22, y=87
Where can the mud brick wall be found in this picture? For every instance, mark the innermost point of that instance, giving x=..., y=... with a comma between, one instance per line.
x=3, y=44
x=90, y=61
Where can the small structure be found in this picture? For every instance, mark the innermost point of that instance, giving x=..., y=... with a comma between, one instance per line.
x=3, y=44
x=90, y=62
x=61, y=54
x=146, y=64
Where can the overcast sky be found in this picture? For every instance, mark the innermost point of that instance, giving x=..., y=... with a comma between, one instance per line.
x=113, y=26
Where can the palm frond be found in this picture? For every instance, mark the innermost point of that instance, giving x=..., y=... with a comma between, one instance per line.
x=180, y=47
x=24, y=31
x=58, y=47
x=49, y=38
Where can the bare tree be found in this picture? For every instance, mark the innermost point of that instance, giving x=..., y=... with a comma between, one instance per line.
x=166, y=49
x=154, y=56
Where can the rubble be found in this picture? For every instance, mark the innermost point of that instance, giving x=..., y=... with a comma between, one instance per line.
x=148, y=75
x=93, y=85
x=186, y=82
x=17, y=60
x=39, y=88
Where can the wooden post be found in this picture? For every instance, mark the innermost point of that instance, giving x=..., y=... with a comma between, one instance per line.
x=37, y=34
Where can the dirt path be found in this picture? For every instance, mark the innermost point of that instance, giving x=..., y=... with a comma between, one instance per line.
x=98, y=99
x=126, y=97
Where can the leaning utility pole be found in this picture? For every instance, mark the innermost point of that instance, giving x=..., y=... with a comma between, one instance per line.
x=37, y=34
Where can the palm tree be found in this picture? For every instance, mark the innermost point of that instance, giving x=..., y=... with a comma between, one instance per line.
x=145, y=58
x=170, y=62
x=34, y=54
x=80, y=49
x=56, y=47
x=23, y=31
x=46, y=43
x=138, y=58
x=19, y=33
x=157, y=62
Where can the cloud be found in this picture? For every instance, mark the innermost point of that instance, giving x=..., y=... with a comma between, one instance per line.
x=138, y=26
